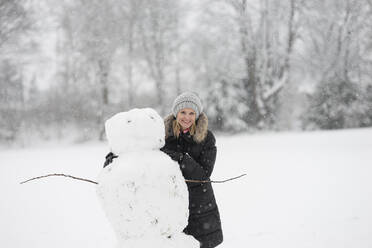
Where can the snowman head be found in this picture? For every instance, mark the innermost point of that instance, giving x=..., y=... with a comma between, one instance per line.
x=135, y=130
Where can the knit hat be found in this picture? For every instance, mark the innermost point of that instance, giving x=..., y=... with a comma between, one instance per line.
x=187, y=100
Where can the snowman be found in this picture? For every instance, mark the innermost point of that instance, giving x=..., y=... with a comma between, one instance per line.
x=143, y=192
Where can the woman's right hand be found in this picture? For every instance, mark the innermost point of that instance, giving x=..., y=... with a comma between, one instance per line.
x=176, y=156
x=109, y=158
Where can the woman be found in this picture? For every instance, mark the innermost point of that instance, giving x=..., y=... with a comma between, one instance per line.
x=189, y=142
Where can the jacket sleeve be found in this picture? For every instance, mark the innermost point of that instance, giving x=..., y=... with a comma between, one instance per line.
x=193, y=170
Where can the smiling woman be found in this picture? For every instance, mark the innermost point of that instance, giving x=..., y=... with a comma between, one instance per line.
x=189, y=142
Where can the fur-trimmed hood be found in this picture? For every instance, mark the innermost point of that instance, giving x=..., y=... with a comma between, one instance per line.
x=201, y=127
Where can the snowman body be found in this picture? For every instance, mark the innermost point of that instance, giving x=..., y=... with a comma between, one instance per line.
x=143, y=192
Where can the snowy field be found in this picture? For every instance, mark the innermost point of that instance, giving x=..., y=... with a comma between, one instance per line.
x=301, y=190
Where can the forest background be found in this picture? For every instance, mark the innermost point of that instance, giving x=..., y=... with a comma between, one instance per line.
x=269, y=65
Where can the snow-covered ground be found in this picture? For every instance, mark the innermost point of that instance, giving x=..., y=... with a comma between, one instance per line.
x=301, y=190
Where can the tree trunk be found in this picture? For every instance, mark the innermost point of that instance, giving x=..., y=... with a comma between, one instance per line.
x=130, y=65
x=253, y=117
x=103, y=71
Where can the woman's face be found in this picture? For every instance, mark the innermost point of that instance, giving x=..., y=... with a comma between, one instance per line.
x=186, y=117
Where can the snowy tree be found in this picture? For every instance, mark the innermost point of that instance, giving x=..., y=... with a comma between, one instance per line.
x=263, y=35
x=13, y=20
x=159, y=30
x=217, y=69
x=225, y=108
x=334, y=105
x=336, y=61
x=11, y=100
x=89, y=35
x=267, y=57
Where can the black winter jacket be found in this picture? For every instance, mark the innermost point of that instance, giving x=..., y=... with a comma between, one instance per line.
x=204, y=218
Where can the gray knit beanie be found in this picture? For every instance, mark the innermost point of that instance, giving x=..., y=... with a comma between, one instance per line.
x=187, y=100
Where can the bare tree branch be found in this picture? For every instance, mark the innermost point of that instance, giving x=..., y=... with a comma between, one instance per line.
x=62, y=175
x=94, y=182
x=211, y=181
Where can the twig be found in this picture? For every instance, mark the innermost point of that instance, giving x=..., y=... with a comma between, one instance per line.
x=211, y=181
x=90, y=181
x=61, y=175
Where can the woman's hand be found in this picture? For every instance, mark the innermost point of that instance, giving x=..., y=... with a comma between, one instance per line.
x=109, y=158
x=176, y=156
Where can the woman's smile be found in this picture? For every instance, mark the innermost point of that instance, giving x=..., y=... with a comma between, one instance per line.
x=186, y=122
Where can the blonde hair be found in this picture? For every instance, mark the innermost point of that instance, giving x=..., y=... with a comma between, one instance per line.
x=177, y=128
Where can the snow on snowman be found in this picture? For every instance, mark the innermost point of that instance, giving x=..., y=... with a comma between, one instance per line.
x=143, y=192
